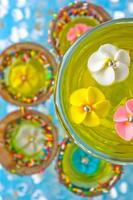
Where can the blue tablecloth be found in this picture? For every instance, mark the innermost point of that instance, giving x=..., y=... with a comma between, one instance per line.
x=18, y=22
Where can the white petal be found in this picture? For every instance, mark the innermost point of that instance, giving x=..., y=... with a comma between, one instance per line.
x=30, y=149
x=105, y=76
x=96, y=62
x=108, y=50
x=22, y=142
x=23, y=134
x=39, y=146
x=123, y=57
x=121, y=72
x=40, y=138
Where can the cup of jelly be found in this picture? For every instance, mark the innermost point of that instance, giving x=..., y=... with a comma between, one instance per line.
x=94, y=93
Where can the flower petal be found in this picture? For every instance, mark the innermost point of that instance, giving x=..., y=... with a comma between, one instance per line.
x=15, y=82
x=129, y=106
x=40, y=138
x=26, y=89
x=91, y=168
x=121, y=129
x=102, y=108
x=125, y=131
x=21, y=141
x=77, y=114
x=94, y=95
x=82, y=168
x=105, y=76
x=83, y=27
x=96, y=62
x=38, y=145
x=121, y=114
x=29, y=149
x=91, y=120
x=71, y=35
x=18, y=70
x=123, y=57
x=129, y=132
x=121, y=72
x=79, y=97
x=108, y=50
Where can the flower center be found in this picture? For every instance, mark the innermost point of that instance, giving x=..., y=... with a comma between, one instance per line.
x=112, y=63
x=87, y=108
x=24, y=77
x=85, y=160
x=130, y=119
x=31, y=138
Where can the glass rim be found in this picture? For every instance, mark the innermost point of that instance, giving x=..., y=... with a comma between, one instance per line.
x=59, y=107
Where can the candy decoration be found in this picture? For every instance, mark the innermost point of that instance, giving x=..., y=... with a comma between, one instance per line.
x=109, y=64
x=79, y=16
x=88, y=106
x=84, y=174
x=123, y=118
x=28, y=141
x=77, y=31
x=27, y=74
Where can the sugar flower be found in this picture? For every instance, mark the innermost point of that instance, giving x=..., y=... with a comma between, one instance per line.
x=123, y=118
x=88, y=106
x=29, y=139
x=109, y=64
x=85, y=163
x=77, y=31
x=26, y=79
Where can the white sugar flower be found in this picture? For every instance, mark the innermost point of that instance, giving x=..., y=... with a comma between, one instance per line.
x=30, y=139
x=109, y=64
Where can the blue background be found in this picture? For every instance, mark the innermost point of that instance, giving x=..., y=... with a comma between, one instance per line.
x=27, y=20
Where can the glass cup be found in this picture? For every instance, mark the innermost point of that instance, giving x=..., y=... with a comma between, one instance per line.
x=105, y=140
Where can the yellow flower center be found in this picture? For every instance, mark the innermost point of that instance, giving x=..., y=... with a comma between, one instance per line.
x=78, y=34
x=31, y=138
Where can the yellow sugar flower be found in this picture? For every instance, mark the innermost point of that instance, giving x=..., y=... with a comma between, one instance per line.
x=26, y=79
x=88, y=106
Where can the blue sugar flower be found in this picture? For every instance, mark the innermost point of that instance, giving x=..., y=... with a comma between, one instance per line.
x=85, y=163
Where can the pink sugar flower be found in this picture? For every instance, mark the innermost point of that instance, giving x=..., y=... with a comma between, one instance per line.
x=124, y=120
x=77, y=31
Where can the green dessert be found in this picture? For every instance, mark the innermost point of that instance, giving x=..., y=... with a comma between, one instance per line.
x=94, y=93
x=28, y=140
x=84, y=174
x=73, y=21
x=26, y=74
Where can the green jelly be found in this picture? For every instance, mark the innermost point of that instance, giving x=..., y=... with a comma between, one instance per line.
x=102, y=140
